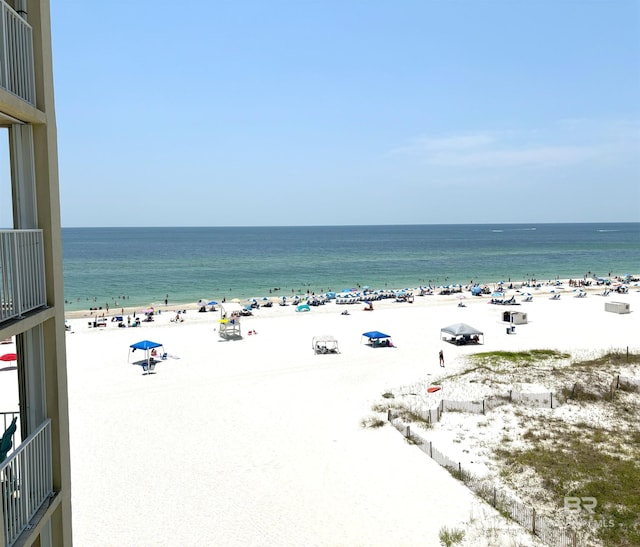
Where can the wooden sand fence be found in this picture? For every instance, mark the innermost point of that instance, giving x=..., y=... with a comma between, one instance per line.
x=434, y=414
x=539, y=525
x=627, y=383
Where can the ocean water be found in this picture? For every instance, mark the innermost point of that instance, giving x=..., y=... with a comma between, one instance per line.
x=143, y=266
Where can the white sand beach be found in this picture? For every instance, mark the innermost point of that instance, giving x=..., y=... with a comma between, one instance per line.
x=259, y=442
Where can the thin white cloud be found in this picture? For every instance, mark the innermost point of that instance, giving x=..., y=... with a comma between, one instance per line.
x=549, y=156
x=423, y=145
x=459, y=142
x=563, y=144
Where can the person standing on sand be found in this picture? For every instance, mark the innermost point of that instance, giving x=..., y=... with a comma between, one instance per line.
x=441, y=355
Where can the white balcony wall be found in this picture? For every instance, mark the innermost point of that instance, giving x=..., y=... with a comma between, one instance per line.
x=22, y=274
x=16, y=55
x=27, y=482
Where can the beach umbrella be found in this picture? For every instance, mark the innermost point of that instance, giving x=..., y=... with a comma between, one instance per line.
x=212, y=303
x=9, y=357
x=235, y=300
x=460, y=296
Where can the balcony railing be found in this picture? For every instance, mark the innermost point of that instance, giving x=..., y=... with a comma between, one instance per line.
x=22, y=279
x=16, y=55
x=27, y=482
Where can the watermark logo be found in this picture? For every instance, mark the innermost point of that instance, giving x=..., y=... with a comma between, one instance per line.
x=585, y=503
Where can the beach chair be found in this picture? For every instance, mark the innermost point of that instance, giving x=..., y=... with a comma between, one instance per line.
x=149, y=366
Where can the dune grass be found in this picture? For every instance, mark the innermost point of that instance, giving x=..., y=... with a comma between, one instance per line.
x=585, y=460
x=577, y=466
x=517, y=357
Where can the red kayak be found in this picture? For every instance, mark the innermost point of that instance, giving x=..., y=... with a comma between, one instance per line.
x=433, y=389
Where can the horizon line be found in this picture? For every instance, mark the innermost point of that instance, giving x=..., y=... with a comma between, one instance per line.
x=359, y=225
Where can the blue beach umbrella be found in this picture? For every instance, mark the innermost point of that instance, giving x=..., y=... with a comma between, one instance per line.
x=212, y=303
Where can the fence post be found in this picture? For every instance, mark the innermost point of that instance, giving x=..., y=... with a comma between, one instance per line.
x=533, y=522
x=618, y=382
x=551, y=400
x=408, y=432
x=430, y=449
x=483, y=407
x=460, y=470
x=510, y=395
x=494, y=496
x=388, y=414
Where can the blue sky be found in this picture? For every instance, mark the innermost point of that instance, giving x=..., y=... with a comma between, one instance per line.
x=310, y=112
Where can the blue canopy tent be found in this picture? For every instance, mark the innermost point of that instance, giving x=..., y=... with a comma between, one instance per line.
x=148, y=363
x=377, y=339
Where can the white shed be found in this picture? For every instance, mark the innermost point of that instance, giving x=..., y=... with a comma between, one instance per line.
x=515, y=317
x=617, y=307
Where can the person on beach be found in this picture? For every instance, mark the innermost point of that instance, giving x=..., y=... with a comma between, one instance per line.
x=441, y=355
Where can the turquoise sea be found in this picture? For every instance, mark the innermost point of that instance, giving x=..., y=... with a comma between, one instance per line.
x=143, y=266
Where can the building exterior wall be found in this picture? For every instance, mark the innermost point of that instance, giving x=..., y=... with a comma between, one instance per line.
x=41, y=332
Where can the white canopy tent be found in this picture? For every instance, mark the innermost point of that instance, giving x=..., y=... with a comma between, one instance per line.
x=461, y=334
x=324, y=344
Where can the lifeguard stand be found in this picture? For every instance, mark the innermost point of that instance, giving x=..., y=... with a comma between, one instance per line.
x=230, y=321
